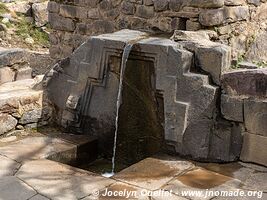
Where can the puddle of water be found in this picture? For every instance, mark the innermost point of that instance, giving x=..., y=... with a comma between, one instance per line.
x=108, y=174
x=102, y=166
x=227, y=169
x=203, y=179
x=146, y=170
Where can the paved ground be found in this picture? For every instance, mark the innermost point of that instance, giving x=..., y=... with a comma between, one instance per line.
x=26, y=173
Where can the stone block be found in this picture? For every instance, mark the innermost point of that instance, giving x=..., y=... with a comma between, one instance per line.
x=24, y=73
x=254, y=2
x=22, y=7
x=7, y=123
x=61, y=23
x=255, y=113
x=236, y=13
x=105, y=5
x=137, y=1
x=101, y=26
x=91, y=3
x=148, y=2
x=250, y=82
x=161, y=5
x=226, y=141
x=176, y=5
x=164, y=24
x=40, y=13
x=257, y=49
x=31, y=116
x=254, y=149
x=193, y=25
x=53, y=7
x=9, y=57
x=146, y=12
x=234, y=2
x=224, y=29
x=232, y=108
x=127, y=8
x=213, y=17
x=94, y=13
x=6, y=75
x=180, y=35
x=207, y=3
x=73, y=11
x=214, y=59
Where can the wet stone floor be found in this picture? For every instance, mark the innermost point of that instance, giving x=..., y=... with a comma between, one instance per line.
x=27, y=173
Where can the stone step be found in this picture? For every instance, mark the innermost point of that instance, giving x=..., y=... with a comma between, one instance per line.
x=36, y=60
x=22, y=105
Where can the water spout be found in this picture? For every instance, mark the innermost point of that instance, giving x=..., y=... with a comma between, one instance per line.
x=125, y=55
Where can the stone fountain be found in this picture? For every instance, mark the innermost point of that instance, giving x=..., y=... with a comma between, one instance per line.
x=163, y=85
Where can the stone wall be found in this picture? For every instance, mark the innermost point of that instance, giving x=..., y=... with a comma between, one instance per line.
x=238, y=23
x=244, y=101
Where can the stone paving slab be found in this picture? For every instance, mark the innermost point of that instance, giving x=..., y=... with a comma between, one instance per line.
x=234, y=170
x=152, y=173
x=11, y=188
x=8, y=167
x=201, y=180
x=257, y=181
x=133, y=193
x=41, y=179
x=38, y=197
x=34, y=148
x=58, y=181
x=261, y=197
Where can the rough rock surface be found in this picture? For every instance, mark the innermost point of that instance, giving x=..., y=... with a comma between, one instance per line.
x=40, y=13
x=246, y=82
x=7, y=123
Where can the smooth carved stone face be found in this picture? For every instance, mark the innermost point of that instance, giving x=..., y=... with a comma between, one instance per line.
x=140, y=118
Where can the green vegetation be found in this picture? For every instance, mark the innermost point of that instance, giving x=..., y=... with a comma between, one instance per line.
x=3, y=8
x=261, y=64
x=239, y=60
x=26, y=29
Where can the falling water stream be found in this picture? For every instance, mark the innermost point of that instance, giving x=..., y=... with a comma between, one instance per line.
x=125, y=55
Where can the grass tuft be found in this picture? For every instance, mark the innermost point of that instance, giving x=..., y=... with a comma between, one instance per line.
x=25, y=29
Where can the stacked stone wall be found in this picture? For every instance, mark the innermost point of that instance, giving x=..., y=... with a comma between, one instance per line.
x=237, y=23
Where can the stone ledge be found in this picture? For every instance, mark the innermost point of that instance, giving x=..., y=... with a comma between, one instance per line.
x=250, y=83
